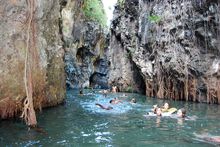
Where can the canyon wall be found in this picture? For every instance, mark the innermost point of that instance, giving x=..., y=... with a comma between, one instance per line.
x=48, y=45
x=29, y=38
x=172, y=45
x=85, y=44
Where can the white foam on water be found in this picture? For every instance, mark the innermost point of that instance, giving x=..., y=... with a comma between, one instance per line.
x=119, y=108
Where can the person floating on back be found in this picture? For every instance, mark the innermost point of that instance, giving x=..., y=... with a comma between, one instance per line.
x=104, y=107
x=165, y=107
x=164, y=110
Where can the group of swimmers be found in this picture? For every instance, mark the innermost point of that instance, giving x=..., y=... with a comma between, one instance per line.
x=105, y=91
x=165, y=109
x=114, y=101
x=158, y=111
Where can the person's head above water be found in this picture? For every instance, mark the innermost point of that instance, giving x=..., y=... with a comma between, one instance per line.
x=111, y=101
x=181, y=112
x=133, y=100
x=115, y=101
x=158, y=111
x=154, y=109
x=81, y=92
x=166, y=106
x=155, y=106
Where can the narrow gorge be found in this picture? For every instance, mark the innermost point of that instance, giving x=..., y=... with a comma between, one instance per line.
x=162, y=49
x=110, y=73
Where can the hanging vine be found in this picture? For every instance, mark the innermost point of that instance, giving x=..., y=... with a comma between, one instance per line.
x=28, y=113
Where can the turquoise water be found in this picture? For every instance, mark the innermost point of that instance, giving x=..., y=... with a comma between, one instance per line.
x=80, y=123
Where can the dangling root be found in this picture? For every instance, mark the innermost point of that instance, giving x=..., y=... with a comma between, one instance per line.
x=28, y=113
x=149, y=88
x=160, y=92
x=26, y=109
x=9, y=108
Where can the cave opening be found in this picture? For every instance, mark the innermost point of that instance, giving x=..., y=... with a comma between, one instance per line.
x=138, y=79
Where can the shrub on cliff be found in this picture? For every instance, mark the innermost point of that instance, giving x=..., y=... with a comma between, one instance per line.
x=93, y=10
x=121, y=3
x=129, y=89
x=154, y=18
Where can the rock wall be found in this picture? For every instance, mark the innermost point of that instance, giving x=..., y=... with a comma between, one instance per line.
x=85, y=47
x=32, y=31
x=174, y=46
x=123, y=71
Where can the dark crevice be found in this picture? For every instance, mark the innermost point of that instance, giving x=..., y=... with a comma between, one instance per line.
x=138, y=78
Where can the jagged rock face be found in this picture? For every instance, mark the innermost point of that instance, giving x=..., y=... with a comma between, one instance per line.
x=85, y=45
x=45, y=54
x=174, y=44
x=123, y=72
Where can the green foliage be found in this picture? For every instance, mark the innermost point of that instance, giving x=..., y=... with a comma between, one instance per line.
x=93, y=10
x=65, y=29
x=130, y=52
x=128, y=55
x=129, y=89
x=121, y=3
x=154, y=18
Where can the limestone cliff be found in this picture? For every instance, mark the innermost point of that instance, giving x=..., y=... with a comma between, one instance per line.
x=33, y=32
x=54, y=42
x=85, y=44
x=172, y=45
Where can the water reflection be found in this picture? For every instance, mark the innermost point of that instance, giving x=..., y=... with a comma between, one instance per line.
x=158, y=120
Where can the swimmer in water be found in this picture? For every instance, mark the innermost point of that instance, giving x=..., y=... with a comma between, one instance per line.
x=154, y=109
x=104, y=107
x=115, y=101
x=133, y=101
x=158, y=112
x=165, y=107
x=105, y=92
x=81, y=92
x=181, y=113
x=114, y=89
x=209, y=138
x=215, y=139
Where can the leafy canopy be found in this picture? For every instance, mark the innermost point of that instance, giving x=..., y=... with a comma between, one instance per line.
x=121, y=3
x=93, y=10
